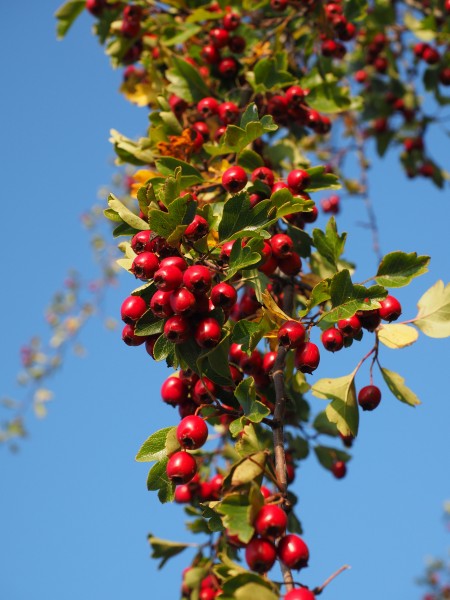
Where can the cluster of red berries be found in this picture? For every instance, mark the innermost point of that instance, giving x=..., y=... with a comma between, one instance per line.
x=331, y=205
x=343, y=30
x=431, y=56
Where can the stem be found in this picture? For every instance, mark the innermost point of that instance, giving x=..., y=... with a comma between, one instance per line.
x=318, y=590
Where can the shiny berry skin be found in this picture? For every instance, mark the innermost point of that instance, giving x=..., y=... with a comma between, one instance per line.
x=265, y=175
x=311, y=216
x=228, y=67
x=295, y=94
x=132, y=309
x=181, y=467
x=174, y=391
x=339, y=469
x=390, y=309
x=290, y=265
x=197, y=279
x=282, y=245
x=145, y=265
x=210, y=54
x=349, y=327
x=369, y=397
x=168, y=278
x=177, y=329
x=129, y=337
x=150, y=344
x=431, y=55
x=271, y=521
x=293, y=551
x=228, y=112
x=96, y=7
x=291, y=334
x=208, y=333
x=332, y=339
x=278, y=5
x=182, y=301
x=143, y=242
x=208, y=107
x=298, y=180
x=197, y=229
x=269, y=361
x=236, y=353
x=231, y=21
x=174, y=261
x=160, y=304
x=234, y=179
x=183, y=494
x=192, y=432
x=216, y=483
x=260, y=554
x=299, y=594
x=444, y=76
x=204, y=391
x=370, y=319
x=223, y=295
x=307, y=357
x=219, y=37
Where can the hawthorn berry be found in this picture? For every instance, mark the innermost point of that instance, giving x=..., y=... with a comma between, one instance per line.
x=132, y=309
x=390, y=309
x=223, y=295
x=168, y=278
x=295, y=94
x=369, y=397
x=219, y=37
x=269, y=361
x=177, y=329
x=183, y=494
x=204, y=391
x=228, y=67
x=293, y=551
x=260, y=554
x=228, y=112
x=174, y=391
x=300, y=594
x=231, y=21
x=332, y=339
x=192, y=432
x=210, y=54
x=339, y=469
x=349, y=327
x=298, y=180
x=290, y=265
x=208, y=333
x=208, y=107
x=197, y=279
x=271, y=521
x=182, y=301
x=130, y=338
x=234, y=179
x=160, y=304
x=174, y=261
x=282, y=245
x=370, y=319
x=307, y=357
x=265, y=175
x=197, y=229
x=291, y=334
x=181, y=467
x=237, y=44
x=145, y=265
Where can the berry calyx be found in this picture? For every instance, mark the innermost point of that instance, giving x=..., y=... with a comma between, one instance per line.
x=390, y=309
x=145, y=265
x=208, y=333
x=293, y=551
x=234, y=179
x=181, y=467
x=130, y=338
x=369, y=397
x=332, y=339
x=192, y=432
x=349, y=327
x=197, y=279
x=260, y=554
x=223, y=295
x=177, y=329
x=168, y=278
x=271, y=521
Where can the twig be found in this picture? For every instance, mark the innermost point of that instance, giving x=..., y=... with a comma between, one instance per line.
x=318, y=590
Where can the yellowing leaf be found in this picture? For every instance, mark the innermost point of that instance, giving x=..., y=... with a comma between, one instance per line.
x=433, y=318
x=141, y=93
x=397, y=335
x=278, y=315
x=396, y=384
x=343, y=408
x=140, y=178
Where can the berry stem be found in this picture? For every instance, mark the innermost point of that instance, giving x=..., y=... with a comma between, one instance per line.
x=318, y=590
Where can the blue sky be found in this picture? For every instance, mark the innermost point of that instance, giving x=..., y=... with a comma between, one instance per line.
x=74, y=509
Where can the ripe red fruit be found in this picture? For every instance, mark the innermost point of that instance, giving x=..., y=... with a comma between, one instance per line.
x=143, y=242
x=181, y=467
x=290, y=265
x=160, y=304
x=174, y=391
x=96, y=7
x=216, y=483
x=237, y=44
x=370, y=319
x=251, y=364
x=208, y=106
x=339, y=469
x=145, y=265
x=192, y=432
x=298, y=180
x=291, y=334
x=268, y=361
x=174, y=261
x=223, y=295
x=150, y=344
x=236, y=353
x=182, y=301
x=197, y=229
x=282, y=245
x=300, y=594
x=168, y=278
x=293, y=551
x=177, y=329
x=204, y=391
x=271, y=521
x=307, y=357
x=197, y=279
x=311, y=216
x=444, y=76
x=260, y=554
x=183, y=494
x=390, y=309
x=234, y=179
x=265, y=175
x=349, y=327
x=279, y=5
x=295, y=94
x=231, y=21
x=129, y=337
x=369, y=397
x=228, y=112
x=219, y=37
x=332, y=339
x=132, y=309
x=210, y=54
x=228, y=67
x=431, y=55
x=208, y=333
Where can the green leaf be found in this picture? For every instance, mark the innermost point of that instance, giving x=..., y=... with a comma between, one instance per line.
x=320, y=180
x=323, y=425
x=328, y=456
x=330, y=244
x=398, y=268
x=239, y=219
x=125, y=214
x=214, y=363
x=189, y=174
x=268, y=75
x=250, y=591
x=185, y=81
x=433, y=318
x=246, y=470
x=355, y=10
x=248, y=442
x=154, y=447
x=162, y=348
x=245, y=393
x=172, y=224
x=343, y=408
x=157, y=480
x=242, y=578
x=136, y=153
x=247, y=333
x=242, y=257
x=164, y=549
x=66, y=15
x=397, y=335
x=347, y=298
x=249, y=160
x=237, y=511
x=396, y=384
x=148, y=324
x=330, y=98
x=186, y=32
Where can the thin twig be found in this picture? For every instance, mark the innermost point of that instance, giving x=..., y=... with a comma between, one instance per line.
x=318, y=590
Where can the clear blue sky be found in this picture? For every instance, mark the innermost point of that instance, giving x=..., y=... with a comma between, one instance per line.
x=74, y=510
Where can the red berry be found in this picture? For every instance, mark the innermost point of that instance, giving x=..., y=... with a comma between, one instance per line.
x=210, y=54
x=265, y=175
x=197, y=279
x=349, y=327
x=290, y=265
x=332, y=339
x=228, y=67
x=236, y=353
x=145, y=265
x=370, y=319
x=219, y=37
x=444, y=76
x=177, y=329
x=431, y=55
x=197, y=229
x=260, y=554
x=339, y=469
x=237, y=44
x=251, y=364
x=216, y=486
x=181, y=467
x=291, y=334
x=182, y=301
x=150, y=344
x=298, y=180
x=310, y=217
x=130, y=338
x=208, y=333
x=231, y=21
x=168, y=278
x=132, y=309
x=174, y=391
x=208, y=107
x=293, y=551
x=160, y=304
x=271, y=521
x=234, y=179
x=282, y=245
x=390, y=309
x=295, y=94
x=300, y=594
x=279, y=5
x=223, y=295
x=269, y=361
x=369, y=397
x=144, y=242
x=174, y=261
x=183, y=494
x=307, y=357
x=228, y=112
x=204, y=391
x=96, y=7
x=192, y=432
